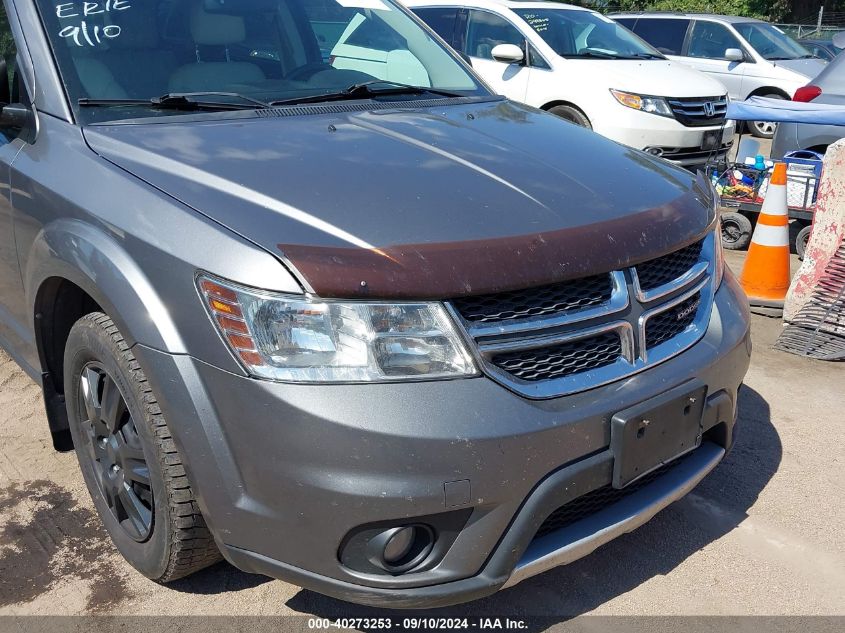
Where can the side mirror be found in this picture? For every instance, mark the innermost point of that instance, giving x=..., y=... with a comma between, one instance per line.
x=16, y=115
x=507, y=53
x=734, y=55
x=839, y=40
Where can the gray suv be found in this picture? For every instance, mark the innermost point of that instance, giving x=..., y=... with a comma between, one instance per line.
x=302, y=293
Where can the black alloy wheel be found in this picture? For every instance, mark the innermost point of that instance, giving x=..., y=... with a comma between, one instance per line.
x=116, y=452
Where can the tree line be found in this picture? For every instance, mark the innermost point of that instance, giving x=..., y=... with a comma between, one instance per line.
x=773, y=10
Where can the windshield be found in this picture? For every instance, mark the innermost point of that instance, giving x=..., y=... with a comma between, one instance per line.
x=586, y=34
x=771, y=42
x=254, y=51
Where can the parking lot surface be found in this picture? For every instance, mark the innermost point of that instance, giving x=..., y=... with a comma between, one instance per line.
x=763, y=534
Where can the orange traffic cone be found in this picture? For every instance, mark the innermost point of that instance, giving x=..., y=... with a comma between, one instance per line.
x=765, y=276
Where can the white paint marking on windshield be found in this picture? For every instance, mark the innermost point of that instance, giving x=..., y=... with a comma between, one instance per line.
x=539, y=24
x=81, y=32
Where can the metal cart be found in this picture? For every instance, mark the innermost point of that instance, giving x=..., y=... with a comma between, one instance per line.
x=742, y=186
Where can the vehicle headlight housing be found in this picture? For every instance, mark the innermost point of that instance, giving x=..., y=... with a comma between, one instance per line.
x=653, y=105
x=296, y=339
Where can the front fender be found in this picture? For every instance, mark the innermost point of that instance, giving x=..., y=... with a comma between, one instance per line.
x=91, y=259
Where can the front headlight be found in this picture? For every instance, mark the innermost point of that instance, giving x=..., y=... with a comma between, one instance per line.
x=654, y=105
x=291, y=338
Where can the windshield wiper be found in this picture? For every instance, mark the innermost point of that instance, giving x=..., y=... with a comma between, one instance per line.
x=644, y=56
x=594, y=54
x=183, y=101
x=363, y=90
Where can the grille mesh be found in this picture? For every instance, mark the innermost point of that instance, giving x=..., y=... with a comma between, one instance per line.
x=592, y=502
x=560, y=360
x=528, y=364
x=543, y=301
x=665, y=325
x=656, y=272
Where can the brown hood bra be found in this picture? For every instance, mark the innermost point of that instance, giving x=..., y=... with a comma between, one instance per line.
x=453, y=269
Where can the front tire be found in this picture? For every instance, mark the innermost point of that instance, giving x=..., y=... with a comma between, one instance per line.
x=572, y=114
x=127, y=456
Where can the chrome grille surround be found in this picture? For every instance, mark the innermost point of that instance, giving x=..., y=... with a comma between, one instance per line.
x=699, y=111
x=626, y=314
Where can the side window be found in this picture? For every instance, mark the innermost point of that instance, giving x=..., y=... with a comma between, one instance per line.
x=535, y=60
x=7, y=48
x=487, y=30
x=710, y=40
x=666, y=35
x=441, y=20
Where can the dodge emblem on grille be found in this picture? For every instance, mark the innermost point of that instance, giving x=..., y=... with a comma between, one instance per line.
x=709, y=109
x=683, y=313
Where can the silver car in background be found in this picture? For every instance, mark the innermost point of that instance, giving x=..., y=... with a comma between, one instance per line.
x=750, y=57
x=829, y=88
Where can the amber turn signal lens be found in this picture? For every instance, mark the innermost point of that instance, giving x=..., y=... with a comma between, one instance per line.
x=216, y=290
x=226, y=310
x=251, y=358
x=233, y=325
x=240, y=342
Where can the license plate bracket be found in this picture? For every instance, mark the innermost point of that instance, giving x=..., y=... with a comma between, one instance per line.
x=711, y=140
x=654, y=432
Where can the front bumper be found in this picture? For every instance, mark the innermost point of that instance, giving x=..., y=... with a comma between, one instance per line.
x=678, y=143
x=284, y=472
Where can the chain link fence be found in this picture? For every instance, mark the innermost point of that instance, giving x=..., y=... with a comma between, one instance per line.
x=823, y=26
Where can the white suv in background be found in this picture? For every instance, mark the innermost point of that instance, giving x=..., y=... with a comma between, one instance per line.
x=750, y=57
x=584, y=67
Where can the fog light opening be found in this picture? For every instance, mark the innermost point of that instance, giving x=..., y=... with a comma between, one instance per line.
x=654, y=151
x=399, y=545
x=401, y=549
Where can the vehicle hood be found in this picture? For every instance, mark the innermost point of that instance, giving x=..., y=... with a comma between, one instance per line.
x=418, y=202
x=808, y=68
x=655, y=77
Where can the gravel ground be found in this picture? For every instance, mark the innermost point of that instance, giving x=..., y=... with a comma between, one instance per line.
x=763, y=534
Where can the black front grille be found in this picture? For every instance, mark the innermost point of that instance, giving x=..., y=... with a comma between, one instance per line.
x=656, y=272
x=518, y=333
x=665, y=325
x=548, y=300
x=697, y=112
x=592, y=502
x=564, y=359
